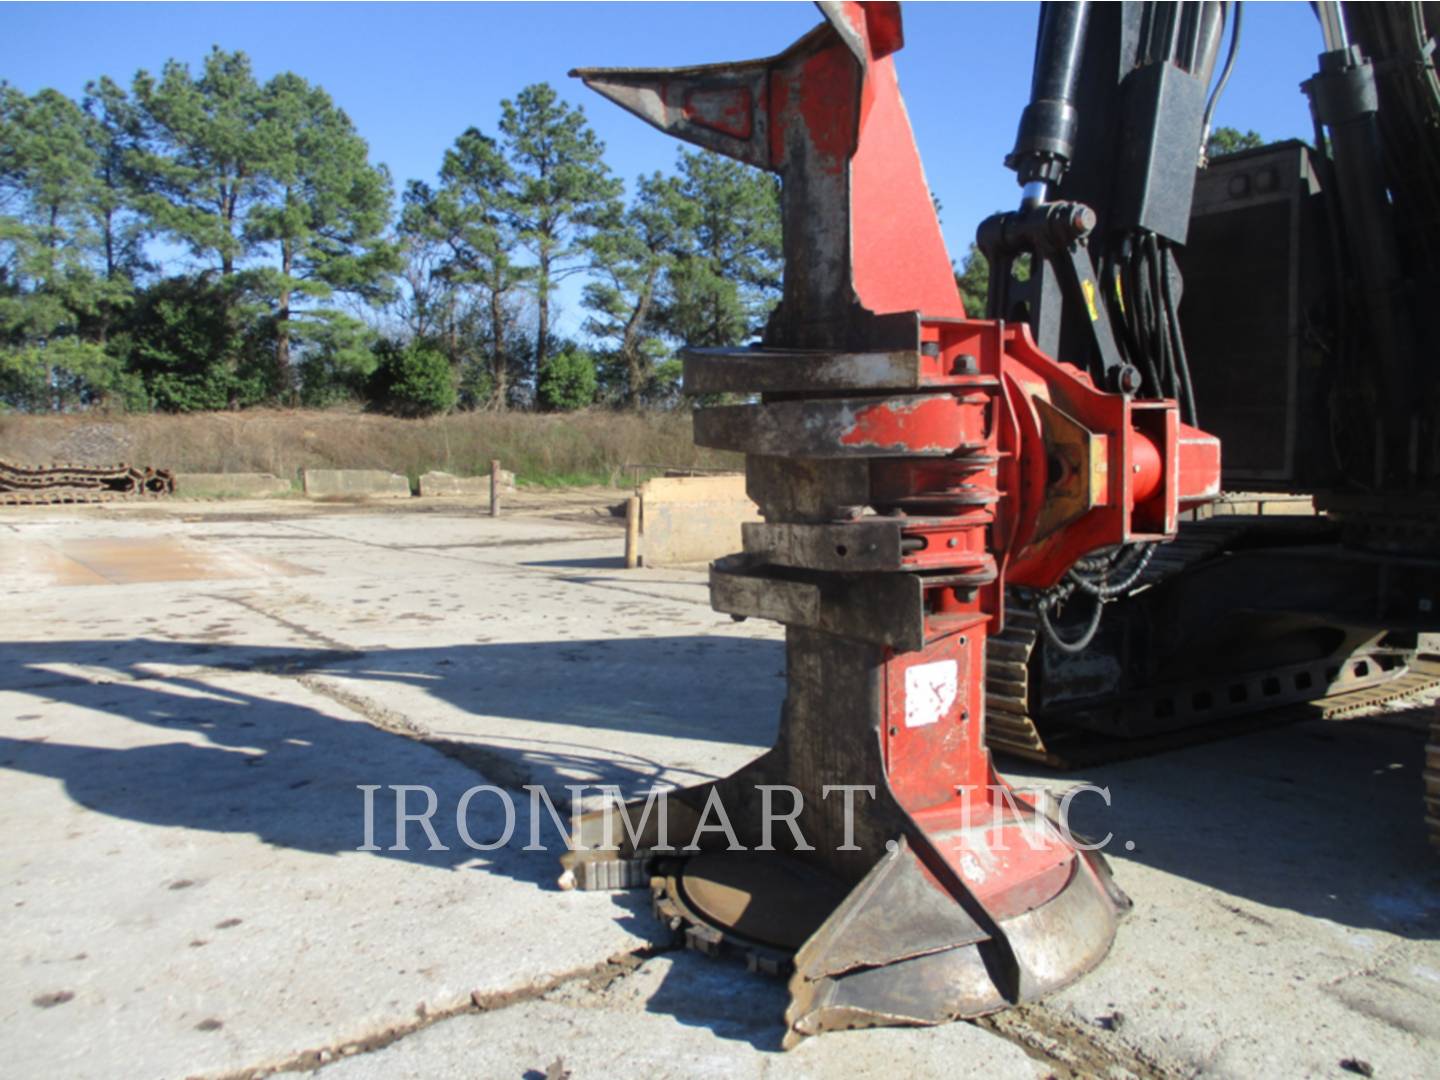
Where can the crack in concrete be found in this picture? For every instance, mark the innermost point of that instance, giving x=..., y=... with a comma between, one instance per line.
x=1371, y=969
x=1072, y=1050
x=569, y=576
x=598, y=978
x=483, y=761
x=523, y=542
x=294, y=627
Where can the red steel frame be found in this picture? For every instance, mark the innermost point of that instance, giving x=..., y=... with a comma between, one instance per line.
x=1003, y=465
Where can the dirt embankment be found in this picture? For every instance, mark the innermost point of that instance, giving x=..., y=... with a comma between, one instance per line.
x=595, y=446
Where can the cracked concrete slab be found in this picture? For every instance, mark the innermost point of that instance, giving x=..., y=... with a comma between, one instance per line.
x=180, y=755
x=675, y=1016
x=182, y=862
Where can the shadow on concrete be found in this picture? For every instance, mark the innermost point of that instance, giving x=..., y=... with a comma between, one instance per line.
x=1321, y=818
x=602, y=562
x=267, y=760
x=700, y=991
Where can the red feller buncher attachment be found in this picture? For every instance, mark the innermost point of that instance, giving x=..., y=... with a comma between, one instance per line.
x=909, y=463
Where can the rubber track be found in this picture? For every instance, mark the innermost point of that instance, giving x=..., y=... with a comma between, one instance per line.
x=1019, y=737
x=1432, y=780
x=1010, y=729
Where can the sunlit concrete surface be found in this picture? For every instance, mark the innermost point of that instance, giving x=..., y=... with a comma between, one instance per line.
x=192, y=697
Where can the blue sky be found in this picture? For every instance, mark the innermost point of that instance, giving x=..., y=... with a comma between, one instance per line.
x=414, y=75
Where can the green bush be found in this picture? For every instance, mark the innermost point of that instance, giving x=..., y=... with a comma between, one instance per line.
x=412, y=380
x=337, y=360
x=182, y=341
x=568, y=380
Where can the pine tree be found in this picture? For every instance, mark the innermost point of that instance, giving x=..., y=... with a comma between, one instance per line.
x=52, y=295
x=632, y=254
x=472, y=216
x=325, y=216
x=203, y=157
x=725, y=276
x=562, y=190
x=271, y=186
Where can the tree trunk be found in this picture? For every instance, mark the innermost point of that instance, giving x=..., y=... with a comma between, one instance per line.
x=636, y=376
x=109, y=245
x=453, y=334
x=227, y=213
x=542, y=334
x=284, y=386
x=106, y=308
x=500, y=389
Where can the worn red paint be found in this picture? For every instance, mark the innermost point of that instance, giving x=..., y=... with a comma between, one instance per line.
x=842, y=111
x=828, y=104
x=729, y=111
x=922, y=426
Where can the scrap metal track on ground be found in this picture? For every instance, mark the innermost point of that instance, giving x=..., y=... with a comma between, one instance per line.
x=22, y=485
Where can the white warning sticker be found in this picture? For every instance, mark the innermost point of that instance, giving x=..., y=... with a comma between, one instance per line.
x=930, y=691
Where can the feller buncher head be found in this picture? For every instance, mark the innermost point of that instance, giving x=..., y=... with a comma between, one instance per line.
x=909, y=463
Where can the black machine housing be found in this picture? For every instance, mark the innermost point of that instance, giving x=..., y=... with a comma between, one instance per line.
x=1286, y=296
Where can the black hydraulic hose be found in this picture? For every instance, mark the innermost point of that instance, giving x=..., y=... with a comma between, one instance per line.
x=1208, y=35
x=1106, y=589
x=1150, y=312
x=1079, y=644
x=1138, y=325
x=1157, y=321
x=1112, y=273
x=1182, y=362
x=1224, y=72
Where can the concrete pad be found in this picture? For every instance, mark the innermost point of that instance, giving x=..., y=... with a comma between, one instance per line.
x=676, y=1016
x=444, y=484
x=230, y=485
x=364, y=483
x=1278, y=929
x=128, y=561
x=237, y=925
x=212, y=734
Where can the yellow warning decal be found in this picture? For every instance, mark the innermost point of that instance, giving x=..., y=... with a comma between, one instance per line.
x=1088, y=288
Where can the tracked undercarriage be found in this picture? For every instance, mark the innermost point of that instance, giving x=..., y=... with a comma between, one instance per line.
x=1432, y=781
x=42, y=484
x=1138, y=689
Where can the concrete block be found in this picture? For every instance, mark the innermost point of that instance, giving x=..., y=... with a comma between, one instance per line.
x=362, y=483
x=692, y=519
x=247, y=485
x=436, y=483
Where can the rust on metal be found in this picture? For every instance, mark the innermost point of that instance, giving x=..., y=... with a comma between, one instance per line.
x=774, y=371
x=777, y=902
x=42, y=484
x=915, y=425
